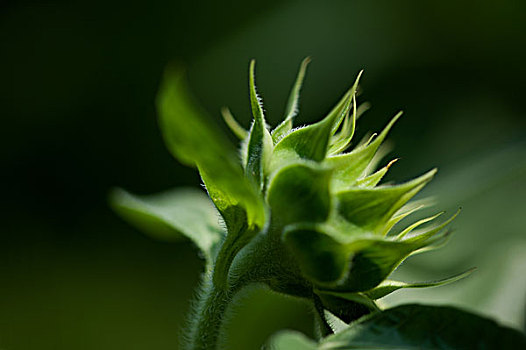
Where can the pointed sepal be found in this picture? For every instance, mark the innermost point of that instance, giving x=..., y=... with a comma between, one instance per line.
x=292, y=104
x=259, y=148
x=334, y=260
x=370, y=209
x=389, y=286
x=343, y=139
x=349, y=167
x=312, y=142
x=373, y=179
x=232, y=124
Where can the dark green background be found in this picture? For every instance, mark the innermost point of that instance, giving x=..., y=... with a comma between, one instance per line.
x=78, y=83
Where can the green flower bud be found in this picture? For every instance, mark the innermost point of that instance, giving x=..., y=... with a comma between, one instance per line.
x=301, y=211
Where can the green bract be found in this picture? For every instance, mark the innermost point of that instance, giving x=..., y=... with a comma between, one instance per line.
x=297, y=209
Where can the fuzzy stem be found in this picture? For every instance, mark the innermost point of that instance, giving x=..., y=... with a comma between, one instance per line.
x=254, y=264
x=208, y=317
x=215, y=295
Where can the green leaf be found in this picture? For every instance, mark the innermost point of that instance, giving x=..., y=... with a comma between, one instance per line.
x=312, y=142
x=173, y=215
x=260, y=142
x=232, y=123
x=187, y=130
x=300, y=193
x=390, y=286
x=292, y=105
x=290, y=340
x=369, y=209
x=193, y=141
x=349, y=167
x=361, y=109
x=411, y=326
x=425, y=327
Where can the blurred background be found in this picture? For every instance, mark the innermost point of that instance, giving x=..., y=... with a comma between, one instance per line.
x=78, y=83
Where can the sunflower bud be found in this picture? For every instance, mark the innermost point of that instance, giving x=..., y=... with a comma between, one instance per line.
x=308, y=208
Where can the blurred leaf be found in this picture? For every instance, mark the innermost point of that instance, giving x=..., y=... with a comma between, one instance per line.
x=192, y=140
x=292, y=105
x=260, y=142
x=173, y=215
x=481, y=172
x=497, y=290
x=232, y=123
x=425, y=327
x=490, y=186
x=290, y=340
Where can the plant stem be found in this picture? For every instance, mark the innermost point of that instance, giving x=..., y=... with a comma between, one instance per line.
x=208, y=317
x=217, y=293
x=256, y=264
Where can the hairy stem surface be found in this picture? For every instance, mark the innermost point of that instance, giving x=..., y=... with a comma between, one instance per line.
x=208, y=316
